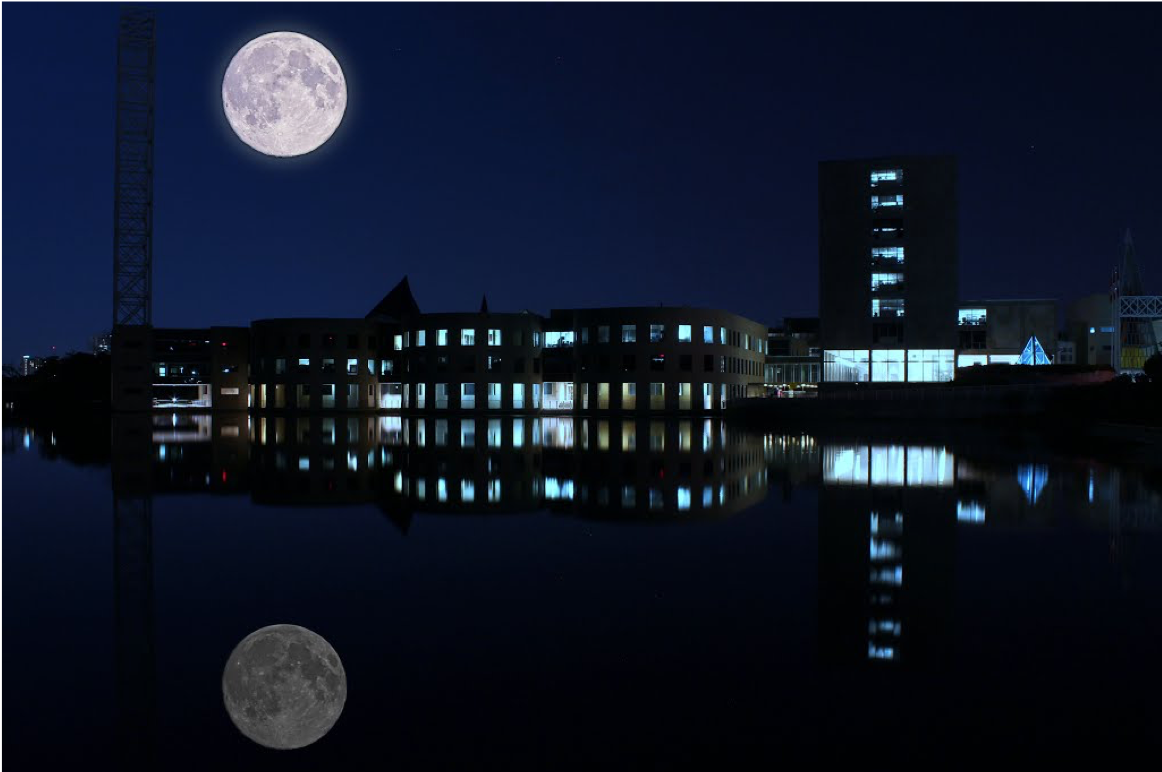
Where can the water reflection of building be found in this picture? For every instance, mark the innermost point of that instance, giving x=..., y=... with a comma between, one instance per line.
x=611, y=469
x=887, y=520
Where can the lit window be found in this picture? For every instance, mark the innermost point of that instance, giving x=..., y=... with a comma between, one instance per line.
x=884, y=282
x=657, y=333
x=397, y=342
x=629, y=396
x=494, y=337
x=353, y=367
x=884, y=308
x=892, y=228
x=886, y=202
x=845, y=366
x=722, y=335
x=707, y=334
x=929, y=365
x=441, y=396
x=441, y=337
x=971, y=317
x=304, y=364
x=536, y=339
x=559, y=339
x=883, y=176
x=890, y=255
x=657, y=396
x=468, y=395
x=371, y=367
x=467, y=337
x=684, y=334
x=887, y=366
x=421, y=337
x=629, y=333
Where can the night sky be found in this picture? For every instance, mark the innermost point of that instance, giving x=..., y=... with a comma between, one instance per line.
x=570, y=155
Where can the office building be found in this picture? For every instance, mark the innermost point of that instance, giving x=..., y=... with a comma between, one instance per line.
x=634, y=361
x=888, y=269
x=793, y=363
x=997, y=331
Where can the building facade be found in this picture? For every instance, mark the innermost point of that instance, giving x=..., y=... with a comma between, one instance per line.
x=793, y=363
x=888, y=269
x=587, y=361
x=996, y=331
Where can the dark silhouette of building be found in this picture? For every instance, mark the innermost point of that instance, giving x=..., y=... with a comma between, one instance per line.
x=888, y=269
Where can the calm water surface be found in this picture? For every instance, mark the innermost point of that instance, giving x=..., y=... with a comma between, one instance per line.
x=546, y=593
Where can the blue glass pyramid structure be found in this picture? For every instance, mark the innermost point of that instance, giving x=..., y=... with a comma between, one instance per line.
x=1033, y=353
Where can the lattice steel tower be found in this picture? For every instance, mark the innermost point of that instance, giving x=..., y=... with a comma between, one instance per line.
x=133, y=194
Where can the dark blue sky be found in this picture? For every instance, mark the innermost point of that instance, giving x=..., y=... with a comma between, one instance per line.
x=575, y=155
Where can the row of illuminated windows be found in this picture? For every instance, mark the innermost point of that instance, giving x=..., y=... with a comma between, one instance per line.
x=888, y=365
x=330, y=395
x=327, y=366
x=887, y=282
x=566, y=338
x=303, y=365
x=492, y=336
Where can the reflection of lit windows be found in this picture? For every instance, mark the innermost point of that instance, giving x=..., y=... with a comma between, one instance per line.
x=845, y=465
x=889, y=575
x=304, y=463
x=1032, y=478
x=884, y=627
x=885, y=526
x=888, y=308
x=493, y=491
x=884, y=176
x=969, y=512
x=558, y=490
x=887, y=465
x=880, y=549
x=628, y=496
x=657, y=501
x=707, y=497
x=442, y=489
x=887, y=202
x=929, y=466
x=467, y=491
x=880, y=652
x=683, y=498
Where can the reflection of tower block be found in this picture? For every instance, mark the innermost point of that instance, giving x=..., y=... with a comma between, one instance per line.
x=132, y=437
x=132, y=371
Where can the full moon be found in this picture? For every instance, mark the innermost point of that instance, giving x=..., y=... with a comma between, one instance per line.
x=284, y=686
x=284, y=94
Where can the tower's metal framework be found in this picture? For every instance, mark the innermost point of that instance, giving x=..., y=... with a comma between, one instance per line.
x=1135, y=314
x=133, y=193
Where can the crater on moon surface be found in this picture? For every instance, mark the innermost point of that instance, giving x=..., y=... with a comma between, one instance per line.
x=284, y=686
x=284, y=94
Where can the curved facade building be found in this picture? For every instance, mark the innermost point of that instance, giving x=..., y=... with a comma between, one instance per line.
x=636, y=361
